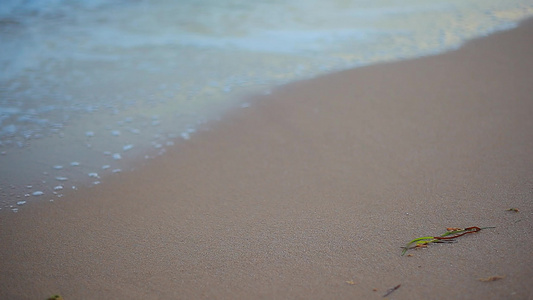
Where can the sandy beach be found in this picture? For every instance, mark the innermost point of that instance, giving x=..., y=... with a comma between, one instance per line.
x=310, y=193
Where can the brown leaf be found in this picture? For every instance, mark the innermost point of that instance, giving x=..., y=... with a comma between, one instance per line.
x=491, y=278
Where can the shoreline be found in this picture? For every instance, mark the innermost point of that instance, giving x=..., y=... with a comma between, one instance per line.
x=81, y=155
x=298, y=197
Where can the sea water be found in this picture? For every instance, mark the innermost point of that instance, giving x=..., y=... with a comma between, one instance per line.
x=90, y=88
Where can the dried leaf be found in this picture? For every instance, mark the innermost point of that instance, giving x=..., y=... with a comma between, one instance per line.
x=491, y=278
x=350, y=282
x=513, y=209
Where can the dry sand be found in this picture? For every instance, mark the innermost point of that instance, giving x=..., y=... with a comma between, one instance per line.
x=309, y=190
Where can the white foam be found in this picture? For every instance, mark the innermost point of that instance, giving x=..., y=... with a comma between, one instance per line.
x=185, y=135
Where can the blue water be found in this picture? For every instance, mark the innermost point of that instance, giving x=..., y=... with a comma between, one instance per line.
x=90, y=88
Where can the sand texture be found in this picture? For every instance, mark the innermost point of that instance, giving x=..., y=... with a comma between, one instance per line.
x=310, y=193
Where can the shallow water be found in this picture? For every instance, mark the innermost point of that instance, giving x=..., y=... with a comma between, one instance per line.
x=90, y=88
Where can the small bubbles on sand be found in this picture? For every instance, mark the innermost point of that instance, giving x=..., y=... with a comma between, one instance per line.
x=115, y=132
x=105, y=167
x=38, y=193
x=96, y=182
x=94, y=175
x=74, y=163
x=127, y=147
x=117, y=171
x=135, y=131
x=60, y=178
x=14, y=209
x=185, y=135
x=58, y=167
x=245, y=105
x=117, y=156
x=107, y=153
x=29, y=186
x=26, y=195
x=21, y=202
x=156, y=122
x=58, y=188
x=89, y=134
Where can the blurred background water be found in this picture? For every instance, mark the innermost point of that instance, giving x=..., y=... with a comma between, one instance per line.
x=87, y=88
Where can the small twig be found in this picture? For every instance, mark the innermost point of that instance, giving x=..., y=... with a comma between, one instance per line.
x=389, y=291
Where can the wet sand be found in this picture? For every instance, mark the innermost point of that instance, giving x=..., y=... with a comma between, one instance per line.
x=310, y=193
